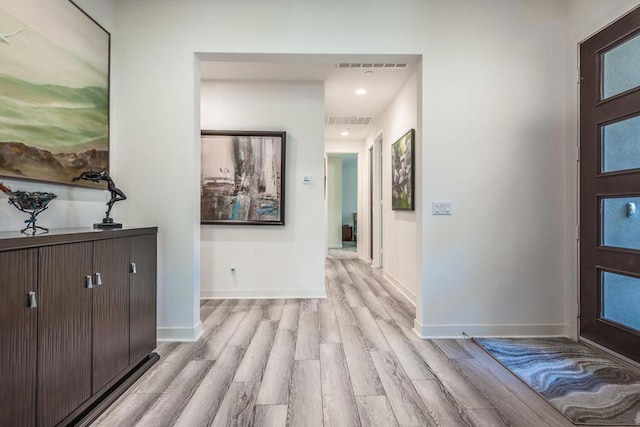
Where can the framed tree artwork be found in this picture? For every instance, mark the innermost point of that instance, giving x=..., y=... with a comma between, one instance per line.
x=54, y=86
x=242, y=177
x=402, y=172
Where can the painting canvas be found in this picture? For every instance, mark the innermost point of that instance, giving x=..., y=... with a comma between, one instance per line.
x=242, y=177
x=402, y=174
x=54, y=91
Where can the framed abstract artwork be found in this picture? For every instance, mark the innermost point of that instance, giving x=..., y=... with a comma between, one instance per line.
x=54, y=91
x=402, y=173
x=242, y=177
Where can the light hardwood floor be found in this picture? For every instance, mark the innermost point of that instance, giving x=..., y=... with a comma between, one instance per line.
x=348, y=360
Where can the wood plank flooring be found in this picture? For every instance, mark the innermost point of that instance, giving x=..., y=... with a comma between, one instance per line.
x=348, y=360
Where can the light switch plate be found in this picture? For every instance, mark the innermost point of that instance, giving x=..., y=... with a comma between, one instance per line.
x=441, y=208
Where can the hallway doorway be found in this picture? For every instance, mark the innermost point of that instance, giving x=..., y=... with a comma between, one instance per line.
x=342, y=201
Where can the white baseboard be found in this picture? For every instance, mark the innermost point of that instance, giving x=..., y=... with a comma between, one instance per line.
x=410, y=296
x=488, y=331
x=262, y=293
x=180, y=334
x=571, y=332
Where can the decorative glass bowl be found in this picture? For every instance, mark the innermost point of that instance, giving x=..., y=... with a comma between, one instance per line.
x=31, y=202
x=28, y=200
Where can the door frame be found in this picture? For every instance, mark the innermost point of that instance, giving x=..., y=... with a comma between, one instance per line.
x=370, y=204
x=378, y=208
x=336, y=153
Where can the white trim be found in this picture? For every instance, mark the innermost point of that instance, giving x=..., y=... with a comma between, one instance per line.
x=488, y=331
x=410, y=296
x=180, y=334
x=378, y=211
x=570, y=333
x=263, y=293
x=604, y=22
x=610, y=352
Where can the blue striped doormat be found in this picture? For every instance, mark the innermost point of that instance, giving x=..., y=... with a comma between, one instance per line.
x=585, y=386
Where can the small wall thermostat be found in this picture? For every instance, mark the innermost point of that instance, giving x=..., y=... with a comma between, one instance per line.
x=306, y=179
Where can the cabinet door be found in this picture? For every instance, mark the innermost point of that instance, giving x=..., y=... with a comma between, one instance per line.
x=18, y=331
x=143, y=296
x=110, y=310
x=64, y=330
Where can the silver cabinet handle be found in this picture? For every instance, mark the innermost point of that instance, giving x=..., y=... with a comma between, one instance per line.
x=98, y=279
x=33, y=303
x=133, y=268
x=89, y=282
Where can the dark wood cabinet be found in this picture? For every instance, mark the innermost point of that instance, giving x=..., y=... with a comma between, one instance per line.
x=64, y=330
x=77, y=324
x=347, y=233
x=18, y=338
x=142, y=284
x=110, y=310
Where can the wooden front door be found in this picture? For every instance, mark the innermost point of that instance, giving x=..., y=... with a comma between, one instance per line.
x=610, y=187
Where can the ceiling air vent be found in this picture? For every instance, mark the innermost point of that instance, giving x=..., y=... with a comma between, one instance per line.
x=349, y=120
x=369, y=65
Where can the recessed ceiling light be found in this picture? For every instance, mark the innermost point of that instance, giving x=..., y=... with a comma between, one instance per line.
x=368, y=73
x=345, y=133
x=361, y=91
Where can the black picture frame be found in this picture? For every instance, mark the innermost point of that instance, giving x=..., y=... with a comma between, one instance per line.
x=242, y=179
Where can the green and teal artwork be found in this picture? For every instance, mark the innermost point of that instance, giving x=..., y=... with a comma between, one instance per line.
x=54, y=91
x=402, y=175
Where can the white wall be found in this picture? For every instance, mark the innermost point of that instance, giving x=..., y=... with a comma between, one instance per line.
x=74, y=207
x=584, y=18
x=399, y=240
x=494, y=142
x=270, y=261
x=334, y=201
x=103, y=11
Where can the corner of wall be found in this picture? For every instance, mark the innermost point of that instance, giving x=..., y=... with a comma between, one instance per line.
x=180, y=334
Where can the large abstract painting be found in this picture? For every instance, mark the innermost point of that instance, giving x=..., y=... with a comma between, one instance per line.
x=242, y=177
x=54, y=91
x=402, y=175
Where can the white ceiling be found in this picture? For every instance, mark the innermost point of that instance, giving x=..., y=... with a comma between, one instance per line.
x=382, y=84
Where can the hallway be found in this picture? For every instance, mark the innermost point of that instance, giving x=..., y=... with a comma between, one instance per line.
x=349, y=360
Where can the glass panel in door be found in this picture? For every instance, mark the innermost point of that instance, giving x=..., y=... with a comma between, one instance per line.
x=621, y=68
x=621, y=145
x=621, y=299
x=621, y=222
